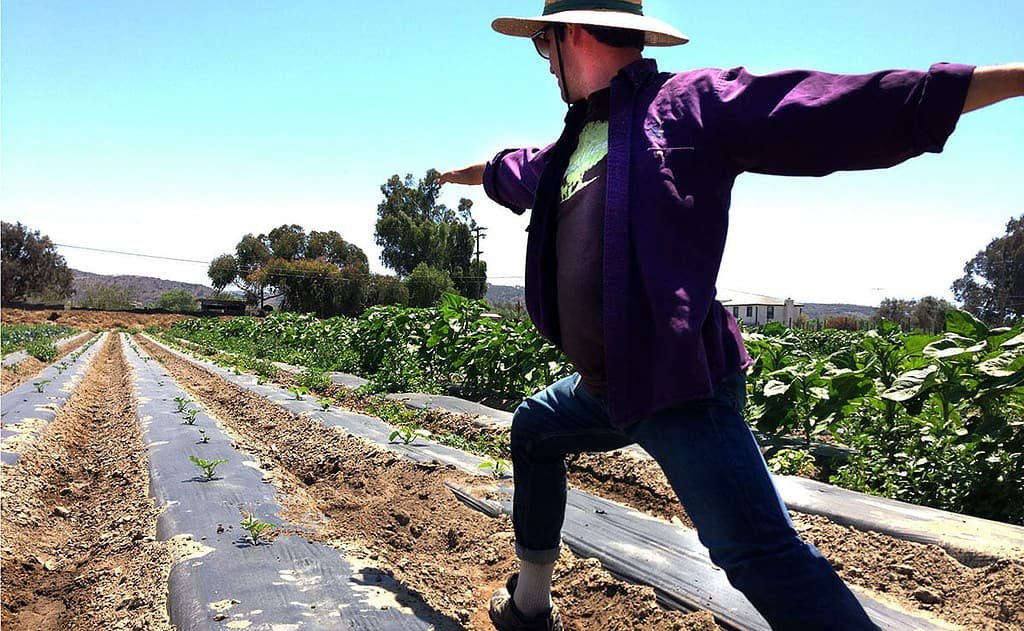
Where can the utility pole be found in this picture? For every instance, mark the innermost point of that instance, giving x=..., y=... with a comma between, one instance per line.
x=478, y=230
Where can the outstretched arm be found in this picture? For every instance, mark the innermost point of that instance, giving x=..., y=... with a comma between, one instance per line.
x=472, y=175
x=991, y=84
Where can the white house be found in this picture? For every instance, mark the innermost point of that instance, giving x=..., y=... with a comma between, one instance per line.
x=752, y=309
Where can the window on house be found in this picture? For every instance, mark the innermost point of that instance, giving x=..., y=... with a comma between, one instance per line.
x=750, y=312
x=771, y=313
x=735, y=312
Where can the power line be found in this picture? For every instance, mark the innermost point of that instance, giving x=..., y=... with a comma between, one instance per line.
x=145, y=256
x=289, y=273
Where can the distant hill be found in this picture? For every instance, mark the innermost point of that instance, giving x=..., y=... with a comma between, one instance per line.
x=819, y=311
x=146, y=288
x=505, y=294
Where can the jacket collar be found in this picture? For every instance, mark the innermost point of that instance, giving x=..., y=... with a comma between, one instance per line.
x=638, y=72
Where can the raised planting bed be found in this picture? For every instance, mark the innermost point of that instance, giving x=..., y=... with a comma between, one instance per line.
x=27, y=409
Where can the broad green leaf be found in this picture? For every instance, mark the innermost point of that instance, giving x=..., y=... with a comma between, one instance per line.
x=963, y=323
x=1003, y=365
x=776, y=388
x=1014, y=342
x=911, y=383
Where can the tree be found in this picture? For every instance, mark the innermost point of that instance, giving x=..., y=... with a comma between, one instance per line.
x=426, y=285
x=413, y=229
x=30, y=266
x=895, y=310
x=177, y=300
x=927, y=314
x=223, y=271
x=318, y=272
x=386, y=290
x=992, y=286
x=109, y=298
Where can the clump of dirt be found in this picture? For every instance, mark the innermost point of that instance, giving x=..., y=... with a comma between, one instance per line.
x=79, y=548
x=88, y=320
x=400, y=512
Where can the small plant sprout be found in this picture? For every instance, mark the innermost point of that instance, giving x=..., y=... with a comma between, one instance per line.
x=40, y=384
x=298, y=391
x=190, y=416
x=325, y=403
x=254, y=527
x=208, y=466
x=182, y=403
x=408, y=434
x=61, y=367
x=497, y=467
x=205, y=439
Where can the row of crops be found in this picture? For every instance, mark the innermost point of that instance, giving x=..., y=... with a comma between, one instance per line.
x=36, y=339
x=936, y=420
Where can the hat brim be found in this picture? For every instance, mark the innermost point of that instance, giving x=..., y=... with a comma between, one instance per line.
x=656, y=32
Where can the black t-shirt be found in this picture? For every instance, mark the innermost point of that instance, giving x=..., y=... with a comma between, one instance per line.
x=580, y=247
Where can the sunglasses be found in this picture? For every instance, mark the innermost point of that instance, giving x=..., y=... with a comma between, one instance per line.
x=542, y=43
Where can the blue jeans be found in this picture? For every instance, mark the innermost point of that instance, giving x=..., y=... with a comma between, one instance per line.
x=713, y=463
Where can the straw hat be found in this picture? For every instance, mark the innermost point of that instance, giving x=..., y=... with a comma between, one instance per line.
x=624, y=14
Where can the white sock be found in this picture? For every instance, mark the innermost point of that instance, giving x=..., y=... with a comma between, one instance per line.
x=533, y=590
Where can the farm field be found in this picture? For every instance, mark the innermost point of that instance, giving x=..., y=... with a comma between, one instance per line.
x=90, y=506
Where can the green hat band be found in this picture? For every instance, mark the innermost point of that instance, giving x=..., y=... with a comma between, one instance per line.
x=589, y=5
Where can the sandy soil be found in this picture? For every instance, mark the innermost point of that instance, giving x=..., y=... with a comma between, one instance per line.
x=90, y=320
x=78, y=544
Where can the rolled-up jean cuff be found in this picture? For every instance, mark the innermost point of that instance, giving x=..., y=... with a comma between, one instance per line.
x=537, y=556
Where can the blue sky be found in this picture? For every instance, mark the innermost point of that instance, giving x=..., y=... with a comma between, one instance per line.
x=174, y=128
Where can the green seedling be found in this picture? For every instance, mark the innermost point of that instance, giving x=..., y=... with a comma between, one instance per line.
x=190, y=416
x=254, y=527
x=40, y=384
x=236, y=371
x=182, y=403
x=208, y=466
x=325, y=403
x=260, y=381
x=497, y=467
x=205, y=439
x=408, y=434
x=298, y=391
x=61, y=367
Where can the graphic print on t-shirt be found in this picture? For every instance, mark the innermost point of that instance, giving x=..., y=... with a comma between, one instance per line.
x=592, y=148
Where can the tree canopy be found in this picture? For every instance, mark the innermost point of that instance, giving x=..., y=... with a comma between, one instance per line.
x=413, y=229
x=992, y=287
x=31, y=267
x=317, y=272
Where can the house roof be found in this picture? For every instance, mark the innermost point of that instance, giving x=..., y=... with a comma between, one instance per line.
x=739, y=298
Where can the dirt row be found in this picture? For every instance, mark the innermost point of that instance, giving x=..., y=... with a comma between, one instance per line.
x=88, y=320
x=78, y=544
x=358, y=496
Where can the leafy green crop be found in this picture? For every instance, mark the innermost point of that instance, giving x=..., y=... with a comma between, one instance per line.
x=408, y=434
x=207, y=466
x=256, y=528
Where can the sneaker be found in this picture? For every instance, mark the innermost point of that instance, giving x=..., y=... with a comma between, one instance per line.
x=506, y=616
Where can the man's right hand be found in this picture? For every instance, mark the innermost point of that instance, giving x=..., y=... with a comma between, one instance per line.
x=472, y=175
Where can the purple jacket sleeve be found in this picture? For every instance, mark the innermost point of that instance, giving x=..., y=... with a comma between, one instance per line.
x=511, y=177
x=814, y=123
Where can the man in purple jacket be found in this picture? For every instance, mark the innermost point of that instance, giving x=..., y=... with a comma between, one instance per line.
x=630, y=212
